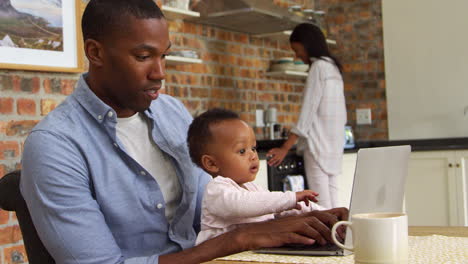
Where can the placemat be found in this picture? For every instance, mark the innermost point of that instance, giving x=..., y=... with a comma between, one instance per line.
x=422, y=250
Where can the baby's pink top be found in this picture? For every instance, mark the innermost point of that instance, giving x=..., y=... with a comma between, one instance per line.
x=227, y=205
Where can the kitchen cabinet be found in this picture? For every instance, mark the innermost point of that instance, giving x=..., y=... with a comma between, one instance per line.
x=436, y=188
x=262, y=174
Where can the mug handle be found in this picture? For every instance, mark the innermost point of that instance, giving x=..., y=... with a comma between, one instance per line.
x=338, y=243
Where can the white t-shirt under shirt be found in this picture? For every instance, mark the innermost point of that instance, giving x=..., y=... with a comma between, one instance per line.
x=135, y=134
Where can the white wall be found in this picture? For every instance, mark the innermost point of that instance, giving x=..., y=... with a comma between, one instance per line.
x=426, y=62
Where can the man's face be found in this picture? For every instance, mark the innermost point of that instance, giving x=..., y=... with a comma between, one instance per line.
x=133, y=65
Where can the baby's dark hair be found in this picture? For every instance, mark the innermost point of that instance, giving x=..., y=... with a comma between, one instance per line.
x=199, y=134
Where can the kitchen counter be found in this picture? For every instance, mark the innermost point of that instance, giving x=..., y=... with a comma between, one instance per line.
x=416, y=144
x=416, y=231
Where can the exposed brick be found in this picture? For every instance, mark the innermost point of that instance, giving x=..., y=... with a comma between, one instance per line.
x=20, y=128
x=30, y=84
x=53, y=85
x=199, y=92
x=4, y=216
x=6, y=105
x=47, y=105
x=15, y=255
x=2, y=170
x=13, y=218
x=47, y=85
x=16, y=83
x=7, y=83
x=10, y=235
x=68, y=86
x=242, y=38
x=9, y=149
x=26, y=106
x=175, y=25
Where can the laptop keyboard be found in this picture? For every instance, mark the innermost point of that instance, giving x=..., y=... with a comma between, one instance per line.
x=314, y=247
x=302, y=247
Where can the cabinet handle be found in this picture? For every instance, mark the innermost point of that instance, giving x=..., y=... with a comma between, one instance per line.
x=458, y=165
x=450, y=165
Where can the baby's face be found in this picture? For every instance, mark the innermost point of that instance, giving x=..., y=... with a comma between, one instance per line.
x=235, y=150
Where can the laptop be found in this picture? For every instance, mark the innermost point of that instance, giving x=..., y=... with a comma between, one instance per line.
x=379, y=186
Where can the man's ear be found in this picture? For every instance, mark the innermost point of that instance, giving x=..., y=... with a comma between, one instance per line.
x=93, y=50
x=209, y=163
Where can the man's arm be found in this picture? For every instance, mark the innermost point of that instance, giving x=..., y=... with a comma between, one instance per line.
x=56, y=187
x=304, y=229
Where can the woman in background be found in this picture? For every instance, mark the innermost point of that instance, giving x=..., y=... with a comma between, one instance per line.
x=321, y=123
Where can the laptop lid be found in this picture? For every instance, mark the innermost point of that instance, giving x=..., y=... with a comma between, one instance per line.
x=379, y=186
x=379, y=181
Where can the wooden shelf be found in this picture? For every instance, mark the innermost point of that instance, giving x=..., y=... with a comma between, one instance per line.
x=176, y=13
x=177, y=60
x=284, y=36
x=281, y=35
x=287, y=74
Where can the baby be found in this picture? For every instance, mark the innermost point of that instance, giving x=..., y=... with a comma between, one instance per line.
x=225, y=147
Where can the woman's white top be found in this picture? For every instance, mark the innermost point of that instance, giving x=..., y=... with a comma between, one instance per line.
x=323, y=115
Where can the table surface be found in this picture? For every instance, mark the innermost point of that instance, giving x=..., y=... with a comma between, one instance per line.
x=455, y=231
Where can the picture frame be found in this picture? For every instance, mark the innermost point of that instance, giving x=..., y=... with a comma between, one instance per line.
x=43, y=38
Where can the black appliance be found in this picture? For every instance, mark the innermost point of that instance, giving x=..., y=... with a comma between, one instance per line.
x=292, y=164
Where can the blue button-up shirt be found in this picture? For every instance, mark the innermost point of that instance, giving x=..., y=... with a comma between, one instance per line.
x=90, y=201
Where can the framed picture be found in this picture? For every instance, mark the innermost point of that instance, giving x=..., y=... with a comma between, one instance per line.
x=41, y=35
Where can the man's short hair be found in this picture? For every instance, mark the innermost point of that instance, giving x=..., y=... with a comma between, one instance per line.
x=102, y=17
x=199, y=134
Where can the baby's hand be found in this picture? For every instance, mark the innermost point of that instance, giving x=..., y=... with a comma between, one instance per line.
x=305, y=196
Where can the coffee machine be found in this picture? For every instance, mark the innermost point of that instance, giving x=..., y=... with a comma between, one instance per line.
x=270, y=120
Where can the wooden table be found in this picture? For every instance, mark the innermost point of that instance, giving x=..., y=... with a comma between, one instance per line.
x=455, y=231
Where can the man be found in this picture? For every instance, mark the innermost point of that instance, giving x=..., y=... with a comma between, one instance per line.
x=107, y=175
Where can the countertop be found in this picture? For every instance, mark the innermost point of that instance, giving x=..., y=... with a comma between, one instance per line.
x=412, y=230
x=416, y=144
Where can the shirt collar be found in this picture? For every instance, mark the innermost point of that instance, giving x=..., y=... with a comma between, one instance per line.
x=93, y=104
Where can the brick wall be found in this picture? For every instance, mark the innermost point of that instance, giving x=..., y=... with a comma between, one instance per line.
x=357, y=27
x=231, y=76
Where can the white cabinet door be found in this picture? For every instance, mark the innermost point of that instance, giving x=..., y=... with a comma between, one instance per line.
x=345, y=180
x=461, y=165
x=430, y=189
x=262, y=174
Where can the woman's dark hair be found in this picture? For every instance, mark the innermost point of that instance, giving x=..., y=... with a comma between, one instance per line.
x=102, y=17
x=314, y=42
x=199, y=134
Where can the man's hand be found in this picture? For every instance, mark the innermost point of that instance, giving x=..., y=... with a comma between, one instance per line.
x=309, y=228
x=304, y=229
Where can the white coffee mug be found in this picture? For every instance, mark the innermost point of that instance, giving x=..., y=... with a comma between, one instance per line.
x=378, y=238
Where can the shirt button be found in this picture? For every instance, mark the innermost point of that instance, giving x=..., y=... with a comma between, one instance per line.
x=143, y=173
x=159, y=206
x=99, y=117
x=110, y=114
